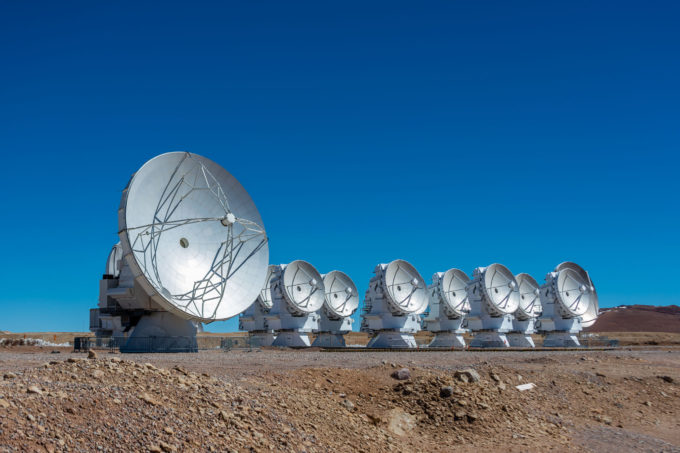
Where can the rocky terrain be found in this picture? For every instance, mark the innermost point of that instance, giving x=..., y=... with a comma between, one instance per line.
x=333, y=401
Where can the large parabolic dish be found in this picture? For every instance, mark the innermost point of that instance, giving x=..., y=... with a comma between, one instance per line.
x=342, y=296
x=573, y=292
x=529, y=297
x=406, y=289
x=303, y=287
x=590, y=316
x=501, y=289
x=452, y=289
x=193, y=237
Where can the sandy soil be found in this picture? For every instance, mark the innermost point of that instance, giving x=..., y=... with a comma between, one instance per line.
x=312, y=401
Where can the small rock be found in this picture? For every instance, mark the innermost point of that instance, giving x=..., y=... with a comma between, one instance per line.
x=470, y=374
x=606, y=420
x=169, y=430
x=668, y=379
x=55, y=352
x=446, y=391
x=401, y=374
x=148, y=399
x=471, y=418
x=460, y=415
x=155, y=449
x=91, y=354
x=73, y=360
x=502, y=386
x=348, y=405
x=30, y=418
x=648, y=403
x=600, y=374
x=167, y=447
x=98, y=374
x=34, y=389
x=4, y=403
x=9, y=376
x=495, y=377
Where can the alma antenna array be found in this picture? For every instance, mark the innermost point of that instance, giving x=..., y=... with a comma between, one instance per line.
x=448, y=307
x=192, y=249
x=569, y=302
x=395, y=299
x=340, y=302
x=298, y=292
x=494, y=297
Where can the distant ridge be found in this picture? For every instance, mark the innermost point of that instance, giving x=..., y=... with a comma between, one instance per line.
x=638, y=318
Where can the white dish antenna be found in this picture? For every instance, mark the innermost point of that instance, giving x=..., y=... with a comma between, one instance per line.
x=589, y=317
x=501, y=289
x=573, y=293
x=405, y=288
x=529, y=297
x=452, y=292
x=342, y=296
x=303, y=287
x=193, y=237
x=265, y=297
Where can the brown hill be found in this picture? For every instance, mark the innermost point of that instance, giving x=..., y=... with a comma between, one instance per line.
x=638, y=318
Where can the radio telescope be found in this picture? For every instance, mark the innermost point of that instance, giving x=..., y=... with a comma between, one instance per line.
x=194, y=250
x=254, y=321
x=395, y=299
x=448, y=307
x=340, y=303
x=494, y=297
x=297, y=291
x=569, y=300
x=523, y=325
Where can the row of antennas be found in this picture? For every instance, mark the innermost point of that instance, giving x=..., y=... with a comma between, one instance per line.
x=501, y=309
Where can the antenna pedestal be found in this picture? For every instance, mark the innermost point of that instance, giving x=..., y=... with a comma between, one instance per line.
x=489, y=339
x=291, y=339
x=447, y=339
x=329, y=340
x=521, y=333
x=448, y=332
x=162, y=332
x=253, y=321
x=331, y=331
x=520, y=340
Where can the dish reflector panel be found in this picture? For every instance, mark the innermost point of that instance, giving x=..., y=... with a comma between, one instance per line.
x=303, y=287
x=529, y=297
x=501, y=289
x=406, y=289
x=193, y=237
x=342, y=296
x=452, y=289
x=590, y=316
x=573, y=292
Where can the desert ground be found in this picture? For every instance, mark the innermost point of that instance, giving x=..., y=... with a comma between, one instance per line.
x=627, y=399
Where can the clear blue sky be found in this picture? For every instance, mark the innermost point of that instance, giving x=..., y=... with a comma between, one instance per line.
x=449, y=134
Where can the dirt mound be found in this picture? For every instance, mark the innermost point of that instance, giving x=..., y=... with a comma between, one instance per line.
x=638, y=318
x=115, y=405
